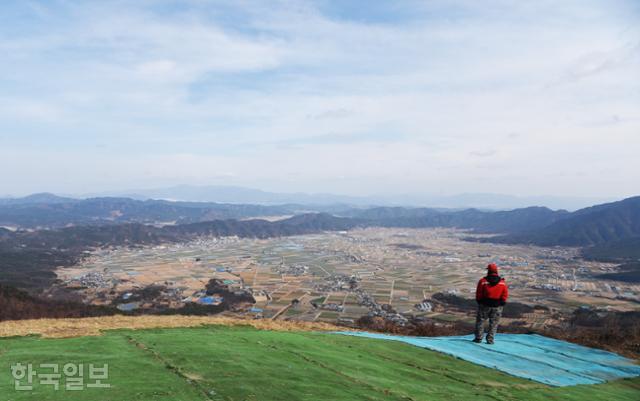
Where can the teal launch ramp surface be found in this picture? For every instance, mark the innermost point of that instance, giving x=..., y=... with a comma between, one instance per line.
x=531, y=356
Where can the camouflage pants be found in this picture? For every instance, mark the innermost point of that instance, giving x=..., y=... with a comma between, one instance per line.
x=484, y=313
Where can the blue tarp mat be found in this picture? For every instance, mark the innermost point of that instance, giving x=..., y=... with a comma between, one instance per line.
x=531, y=356
x=209, y=300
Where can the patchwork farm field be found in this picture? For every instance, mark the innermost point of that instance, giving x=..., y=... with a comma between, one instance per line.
x=243, y=363
x=389, y=266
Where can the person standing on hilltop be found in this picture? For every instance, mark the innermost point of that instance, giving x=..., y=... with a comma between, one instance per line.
x=491, y=295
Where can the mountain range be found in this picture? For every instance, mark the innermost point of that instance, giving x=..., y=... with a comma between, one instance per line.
x=591, y=226
x=594, y=225
x=608, y=232
x=511, y=221
x=50, y=211
x=235, y=194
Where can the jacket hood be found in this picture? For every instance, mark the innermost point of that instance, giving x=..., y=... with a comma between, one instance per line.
x=493, y=279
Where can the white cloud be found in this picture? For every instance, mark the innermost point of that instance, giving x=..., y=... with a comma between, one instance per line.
x=494, y=94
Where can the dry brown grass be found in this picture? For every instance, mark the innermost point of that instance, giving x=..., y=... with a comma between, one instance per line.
x=93, y=326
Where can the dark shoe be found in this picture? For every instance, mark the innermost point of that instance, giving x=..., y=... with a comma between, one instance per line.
x=490, y=342
x=477, y=340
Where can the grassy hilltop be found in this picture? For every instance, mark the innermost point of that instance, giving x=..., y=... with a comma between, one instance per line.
x=244, y=363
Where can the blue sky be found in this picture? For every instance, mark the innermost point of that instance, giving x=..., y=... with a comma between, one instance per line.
x=352, y=97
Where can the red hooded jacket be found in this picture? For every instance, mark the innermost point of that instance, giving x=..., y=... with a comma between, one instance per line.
x=492, y=291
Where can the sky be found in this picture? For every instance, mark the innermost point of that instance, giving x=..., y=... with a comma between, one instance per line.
x=348, y=97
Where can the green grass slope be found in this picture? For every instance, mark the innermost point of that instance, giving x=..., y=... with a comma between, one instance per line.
x=241, y=363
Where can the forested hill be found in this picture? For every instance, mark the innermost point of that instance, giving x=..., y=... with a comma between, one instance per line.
x=50, y=211
x=81, y=237
x=512, y=221
x=601, y=224
x=623, y=250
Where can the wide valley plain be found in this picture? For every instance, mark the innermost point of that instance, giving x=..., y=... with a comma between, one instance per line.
x=342, y=276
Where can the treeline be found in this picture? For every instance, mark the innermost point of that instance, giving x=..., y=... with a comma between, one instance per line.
x=33, y=268
x=16, y=304
x=611, y=330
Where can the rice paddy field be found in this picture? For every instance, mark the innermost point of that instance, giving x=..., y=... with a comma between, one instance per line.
x=240, y=362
